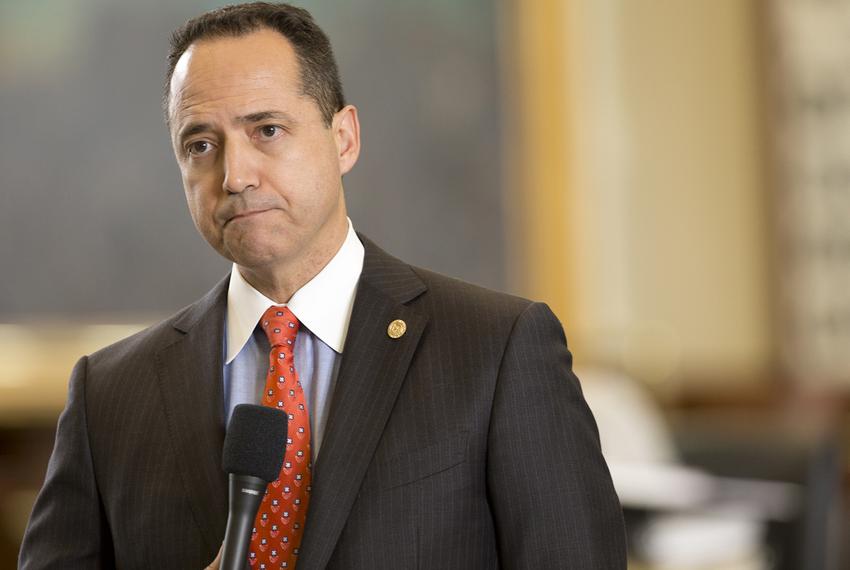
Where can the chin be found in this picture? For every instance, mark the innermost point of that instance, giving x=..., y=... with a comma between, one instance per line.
x=257, y=255
x=256, y=258
x=256, y=249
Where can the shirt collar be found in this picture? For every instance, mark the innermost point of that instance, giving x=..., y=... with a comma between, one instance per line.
x=323, y=304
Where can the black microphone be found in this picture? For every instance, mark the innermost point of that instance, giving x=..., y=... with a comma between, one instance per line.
x=253, y=455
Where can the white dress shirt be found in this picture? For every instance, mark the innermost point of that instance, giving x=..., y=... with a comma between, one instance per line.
x=323, y=306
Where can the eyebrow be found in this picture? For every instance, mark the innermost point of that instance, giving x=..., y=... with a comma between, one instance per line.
x=265, y=116
x=193, y=129
x=196, y=128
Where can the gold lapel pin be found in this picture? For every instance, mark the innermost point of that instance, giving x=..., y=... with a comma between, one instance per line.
x=397, y=329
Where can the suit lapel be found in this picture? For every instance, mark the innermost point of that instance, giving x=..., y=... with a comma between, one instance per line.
x=371, y=374
x=190, y=375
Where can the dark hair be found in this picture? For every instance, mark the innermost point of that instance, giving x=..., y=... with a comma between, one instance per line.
x=319, y=75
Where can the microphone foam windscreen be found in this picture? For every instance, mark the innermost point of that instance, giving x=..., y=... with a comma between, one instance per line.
x=255, y=442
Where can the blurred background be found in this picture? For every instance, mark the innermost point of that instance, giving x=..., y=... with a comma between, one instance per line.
x=671, y=176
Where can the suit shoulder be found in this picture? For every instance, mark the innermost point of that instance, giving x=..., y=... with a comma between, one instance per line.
x=145, y=343
x=462, y=298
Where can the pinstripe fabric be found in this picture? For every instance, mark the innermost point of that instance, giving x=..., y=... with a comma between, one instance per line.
x=135, y=478
x=465, y=443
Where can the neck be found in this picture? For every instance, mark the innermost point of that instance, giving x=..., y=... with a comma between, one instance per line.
x=281, y=282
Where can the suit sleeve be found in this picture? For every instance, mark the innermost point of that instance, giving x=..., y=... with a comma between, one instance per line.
x=67, y=527
x=553, y=502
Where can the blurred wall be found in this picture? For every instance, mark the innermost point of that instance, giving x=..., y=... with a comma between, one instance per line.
x=810, y=122
x=666, y=220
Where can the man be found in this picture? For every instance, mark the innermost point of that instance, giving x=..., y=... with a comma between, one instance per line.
x=444, y=424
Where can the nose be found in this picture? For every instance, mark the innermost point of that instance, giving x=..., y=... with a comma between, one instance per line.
x=240, y=169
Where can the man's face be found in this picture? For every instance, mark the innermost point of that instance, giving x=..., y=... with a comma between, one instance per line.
x=261, y=170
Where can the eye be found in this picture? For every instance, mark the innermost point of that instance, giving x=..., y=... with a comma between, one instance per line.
x=199, y=148
x=270, y=131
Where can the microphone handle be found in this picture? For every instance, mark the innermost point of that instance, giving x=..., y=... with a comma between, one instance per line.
x=245, y=495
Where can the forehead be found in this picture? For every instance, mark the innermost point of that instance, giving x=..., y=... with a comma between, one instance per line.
x=234, y=73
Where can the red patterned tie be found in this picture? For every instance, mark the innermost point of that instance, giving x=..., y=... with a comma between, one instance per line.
x=279, y=525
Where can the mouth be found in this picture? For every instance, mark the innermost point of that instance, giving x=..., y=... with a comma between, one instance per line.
x=247, y=214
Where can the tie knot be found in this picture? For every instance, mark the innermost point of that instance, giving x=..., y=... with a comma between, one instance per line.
x=280, y=326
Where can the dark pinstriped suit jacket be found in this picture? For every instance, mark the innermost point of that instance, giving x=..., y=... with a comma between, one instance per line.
x=464, y=444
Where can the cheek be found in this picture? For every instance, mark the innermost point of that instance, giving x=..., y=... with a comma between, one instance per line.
x=314, y=177
x=201, y=205
x=314, y=159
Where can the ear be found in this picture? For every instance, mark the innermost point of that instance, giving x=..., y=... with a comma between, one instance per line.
x=346, y=129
